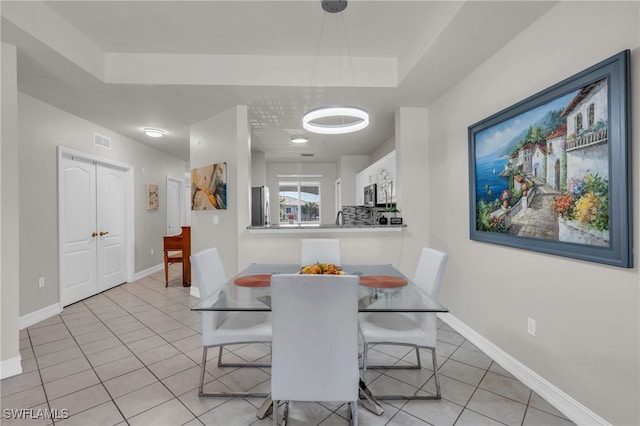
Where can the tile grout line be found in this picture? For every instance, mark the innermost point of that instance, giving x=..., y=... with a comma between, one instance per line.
x=44, y=390
x=178, y=349
x=93, y=368
x=136, y=356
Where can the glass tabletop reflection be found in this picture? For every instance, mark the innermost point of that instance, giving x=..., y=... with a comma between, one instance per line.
x=374, y=297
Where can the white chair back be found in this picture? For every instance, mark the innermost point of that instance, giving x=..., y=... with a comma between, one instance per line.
x=210, y=277
x=314, y=354
x=430, y=270
x=323, y=250
x=208, y=271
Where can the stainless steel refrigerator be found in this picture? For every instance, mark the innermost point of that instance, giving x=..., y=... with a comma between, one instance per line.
x=260, y=206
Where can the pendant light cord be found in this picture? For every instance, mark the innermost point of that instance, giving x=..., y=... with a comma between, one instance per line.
x=312, y=119
x=353, y=73
x=315, y=61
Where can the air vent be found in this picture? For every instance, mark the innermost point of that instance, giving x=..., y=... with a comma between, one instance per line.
x=306, y=155
x=101, y=141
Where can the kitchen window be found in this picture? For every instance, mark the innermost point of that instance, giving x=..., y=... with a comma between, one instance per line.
x=299, y=202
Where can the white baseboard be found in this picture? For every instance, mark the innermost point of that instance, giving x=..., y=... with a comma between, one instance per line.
x=576, y=412
x=149, y=271
x=39, y=315
x=10, y=367
x=195, y=291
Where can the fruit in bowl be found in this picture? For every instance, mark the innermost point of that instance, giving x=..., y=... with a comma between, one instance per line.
x=322, y=268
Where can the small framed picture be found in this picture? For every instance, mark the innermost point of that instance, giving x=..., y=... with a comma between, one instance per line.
x=152, y=197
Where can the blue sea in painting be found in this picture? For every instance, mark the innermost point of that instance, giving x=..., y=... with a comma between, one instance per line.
x=488, y=173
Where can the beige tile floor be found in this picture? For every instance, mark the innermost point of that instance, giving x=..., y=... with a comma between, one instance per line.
x=131, y=356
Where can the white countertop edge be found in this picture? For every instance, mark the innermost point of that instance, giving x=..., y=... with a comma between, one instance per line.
x=320, y=230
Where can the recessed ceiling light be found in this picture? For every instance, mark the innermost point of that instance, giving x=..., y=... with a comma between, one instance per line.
x=299, y=139
x=154, y=133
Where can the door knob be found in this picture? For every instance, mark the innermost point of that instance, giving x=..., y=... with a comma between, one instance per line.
x=103, y=233
x=94, y=234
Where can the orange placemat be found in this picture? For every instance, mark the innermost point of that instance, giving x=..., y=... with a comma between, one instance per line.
x=382, y=281
x=260, y=280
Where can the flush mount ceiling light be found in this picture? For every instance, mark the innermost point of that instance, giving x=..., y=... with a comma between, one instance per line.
x=335, y=119
x=299, y=139
x=153, y=132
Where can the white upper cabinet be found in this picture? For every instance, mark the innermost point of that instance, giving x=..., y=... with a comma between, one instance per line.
x=370, y=175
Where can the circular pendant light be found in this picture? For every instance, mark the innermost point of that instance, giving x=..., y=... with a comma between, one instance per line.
x=335, y=119
x=340, y=119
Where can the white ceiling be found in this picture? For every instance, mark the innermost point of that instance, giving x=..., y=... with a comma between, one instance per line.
x=127, y=65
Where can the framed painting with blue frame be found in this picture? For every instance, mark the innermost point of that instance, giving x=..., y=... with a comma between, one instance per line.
x=552, y=173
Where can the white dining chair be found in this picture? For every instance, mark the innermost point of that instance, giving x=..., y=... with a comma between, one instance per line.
x=322, y=250
x=415, y=329
x=225, y=328
x=314, y=353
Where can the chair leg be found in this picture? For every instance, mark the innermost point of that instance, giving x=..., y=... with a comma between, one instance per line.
x=275, y=413
x=220, y=356
x=166, y=270
x=202, y=369
x=435, y=372
x=365, y=351
x=237, y=365
x=418, y=357
x=416, y=366
x=354, y=413
x=285, y=415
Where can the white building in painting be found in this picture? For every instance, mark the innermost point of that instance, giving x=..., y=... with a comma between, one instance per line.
x=538, y=161
x=556, y=147
x=587, y=136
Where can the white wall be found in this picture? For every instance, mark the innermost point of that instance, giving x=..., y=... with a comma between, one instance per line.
x=413, y=189
x=383, y=149
x=588, y=331
x=348, y=167
x=223, y=138
x=9, y=216
x=258, y=169
x=364, y=247
x=41, y=129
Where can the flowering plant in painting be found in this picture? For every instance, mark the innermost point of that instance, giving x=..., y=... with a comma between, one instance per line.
x=586, y=202
x=562, y=205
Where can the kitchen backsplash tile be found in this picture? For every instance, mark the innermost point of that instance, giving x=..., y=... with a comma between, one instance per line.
x=359, y=215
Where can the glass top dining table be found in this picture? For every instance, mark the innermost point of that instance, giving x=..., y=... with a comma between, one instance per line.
x=383, y=290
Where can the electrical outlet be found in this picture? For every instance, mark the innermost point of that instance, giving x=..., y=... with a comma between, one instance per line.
x=152, y=252
x=531, y=326
x=216, y=219
x=41, y=282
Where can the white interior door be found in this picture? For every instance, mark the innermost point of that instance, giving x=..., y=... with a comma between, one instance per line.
x=111, y=213
x=93, y=231
x=175, y=205
x=78, y=267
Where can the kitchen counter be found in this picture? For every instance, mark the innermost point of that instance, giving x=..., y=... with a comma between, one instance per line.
x=324, y=228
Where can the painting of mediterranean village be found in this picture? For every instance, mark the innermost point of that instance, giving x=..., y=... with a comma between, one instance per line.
x=545, y=173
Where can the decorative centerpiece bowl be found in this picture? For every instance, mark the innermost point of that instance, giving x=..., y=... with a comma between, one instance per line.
x=322, y=268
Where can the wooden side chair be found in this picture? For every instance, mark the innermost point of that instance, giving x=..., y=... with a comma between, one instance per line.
x=177, y=249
